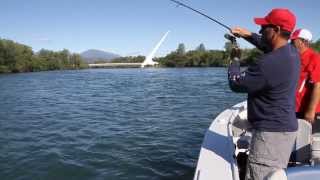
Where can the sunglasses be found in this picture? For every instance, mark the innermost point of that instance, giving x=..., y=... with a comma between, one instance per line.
x=264, y=27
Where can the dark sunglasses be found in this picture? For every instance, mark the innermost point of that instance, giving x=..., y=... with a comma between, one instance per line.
x=264, y=27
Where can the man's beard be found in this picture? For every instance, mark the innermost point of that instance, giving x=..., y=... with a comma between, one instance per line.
x=266, y=44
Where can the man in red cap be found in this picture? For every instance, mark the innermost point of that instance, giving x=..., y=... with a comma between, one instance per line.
x=271, y=86
x=308, y=91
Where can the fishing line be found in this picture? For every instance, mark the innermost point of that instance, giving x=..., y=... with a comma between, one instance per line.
x=199, y=12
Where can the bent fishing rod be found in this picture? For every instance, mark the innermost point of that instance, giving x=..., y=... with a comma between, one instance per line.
x=231, y=38
x=197, y=11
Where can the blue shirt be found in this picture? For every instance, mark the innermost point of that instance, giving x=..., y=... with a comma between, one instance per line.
x=271, y=86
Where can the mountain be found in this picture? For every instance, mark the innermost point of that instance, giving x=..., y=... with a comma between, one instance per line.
x=92, y=55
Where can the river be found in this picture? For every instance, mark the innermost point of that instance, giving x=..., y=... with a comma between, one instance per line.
x=105, y=124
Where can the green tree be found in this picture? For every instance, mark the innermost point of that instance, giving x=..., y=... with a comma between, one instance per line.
x=181, y=49
x=316, y=45
x=201, y=48
x=15, y=57
x=250, y=56
x=129, y=59
x=228, y=47
x=64, y=58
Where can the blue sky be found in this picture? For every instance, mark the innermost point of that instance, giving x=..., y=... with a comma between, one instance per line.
x=131, y=27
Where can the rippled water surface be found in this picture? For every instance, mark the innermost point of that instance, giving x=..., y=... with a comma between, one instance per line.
x=108, y=123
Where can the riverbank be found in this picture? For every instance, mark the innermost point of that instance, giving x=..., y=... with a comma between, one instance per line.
x=16, y=58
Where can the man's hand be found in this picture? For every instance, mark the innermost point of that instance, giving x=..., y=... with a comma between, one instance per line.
x=310, y=116
x=240, y=32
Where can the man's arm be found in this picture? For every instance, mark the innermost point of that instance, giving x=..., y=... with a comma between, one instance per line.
x=314, y=69
x=249, y=81
x=314, y=101
x=252, y=38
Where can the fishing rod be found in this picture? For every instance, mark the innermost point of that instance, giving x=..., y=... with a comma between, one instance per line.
x=231, y=37
x=197, y=11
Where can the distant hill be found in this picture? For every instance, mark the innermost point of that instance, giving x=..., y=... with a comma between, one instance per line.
x=92, y=55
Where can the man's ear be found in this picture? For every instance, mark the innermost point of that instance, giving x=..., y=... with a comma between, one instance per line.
x=277, y=29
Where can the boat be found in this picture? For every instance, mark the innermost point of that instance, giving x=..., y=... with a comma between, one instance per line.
x=225, y=149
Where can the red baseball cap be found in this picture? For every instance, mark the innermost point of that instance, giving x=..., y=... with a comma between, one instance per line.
x=279, y=17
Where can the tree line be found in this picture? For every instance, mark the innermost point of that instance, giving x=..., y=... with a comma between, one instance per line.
x=201, y=57
x=316, y=45
x=129, y=59
x=16, y=57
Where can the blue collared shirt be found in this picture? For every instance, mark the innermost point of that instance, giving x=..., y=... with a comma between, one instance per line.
x=271, y=86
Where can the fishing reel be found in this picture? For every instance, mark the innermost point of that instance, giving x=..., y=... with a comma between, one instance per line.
x=235, y=53
x=231, y=38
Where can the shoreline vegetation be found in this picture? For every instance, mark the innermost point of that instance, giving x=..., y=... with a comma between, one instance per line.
x=16, y=58
x=199, y=57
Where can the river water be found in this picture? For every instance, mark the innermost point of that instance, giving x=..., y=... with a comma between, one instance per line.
x=105, y=124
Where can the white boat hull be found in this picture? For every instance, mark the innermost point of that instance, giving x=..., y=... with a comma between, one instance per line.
x=217, y=151
x=229, y=136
